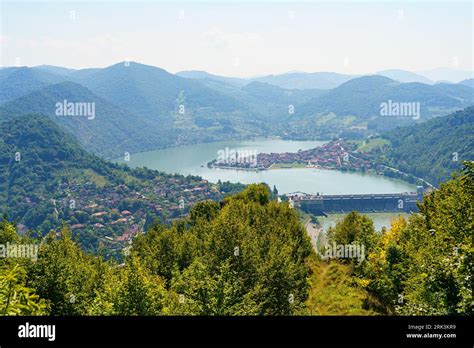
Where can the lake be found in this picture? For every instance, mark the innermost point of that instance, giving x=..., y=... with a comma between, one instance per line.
x=380, y=219
x=193, y=159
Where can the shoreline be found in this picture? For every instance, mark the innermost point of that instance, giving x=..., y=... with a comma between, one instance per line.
x=371, y=172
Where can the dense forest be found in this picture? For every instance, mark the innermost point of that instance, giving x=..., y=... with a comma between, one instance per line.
x=420, y=266
x=249, y=255
x=434, y=149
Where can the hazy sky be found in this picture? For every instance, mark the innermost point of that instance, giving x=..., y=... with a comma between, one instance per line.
x=240, y=38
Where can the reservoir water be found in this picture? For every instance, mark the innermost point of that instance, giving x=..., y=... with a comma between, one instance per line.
x=380, y=219
x=193, y=159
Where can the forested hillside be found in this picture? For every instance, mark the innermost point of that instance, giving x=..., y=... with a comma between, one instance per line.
x=110, y=132
x=354, y=108
x=434, y=149
x=362, y=97
x=47, y=179
x=16, y=82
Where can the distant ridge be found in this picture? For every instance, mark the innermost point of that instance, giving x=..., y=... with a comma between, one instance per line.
x=142, y=107
x=404, y=76
x=468, y=82
x=296, y=80
x=447, y=74
x=197, y=74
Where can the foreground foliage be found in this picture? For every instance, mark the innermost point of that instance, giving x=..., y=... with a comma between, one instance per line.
x=245, y=256
x=249, y=255
x=423, y=266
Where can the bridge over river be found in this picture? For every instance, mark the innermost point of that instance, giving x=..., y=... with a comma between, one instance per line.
x=369, y=203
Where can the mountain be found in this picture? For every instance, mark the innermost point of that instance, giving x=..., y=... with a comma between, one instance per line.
x=468, y=82
x=200, y=75
x=139, y=108
x=354, y=109
x=265, y=92
x=447, y=74
x=272, y=102
x=110, y=132
x=404, y=76
x=276, y=103
x=16, y=82
x=153, y=92
x=433, y=149
x=74, y=75
x=80, y=76
x=363, y=96
x=290, y=80
x=300, y=80
x=184, y=107
x=352, y=97
x=458, y=91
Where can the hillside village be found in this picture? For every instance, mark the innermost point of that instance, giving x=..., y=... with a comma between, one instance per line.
x=110, y=216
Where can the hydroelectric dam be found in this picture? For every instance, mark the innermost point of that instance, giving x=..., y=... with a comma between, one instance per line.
x=363, y=203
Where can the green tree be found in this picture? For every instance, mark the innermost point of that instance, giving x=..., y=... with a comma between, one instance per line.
x=140, y=293
x=424, y=266
x=64, y=275
x=15, y=297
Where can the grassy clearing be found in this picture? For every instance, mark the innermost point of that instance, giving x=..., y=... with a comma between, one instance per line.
x=288, y=165
x=96, y=179
x=332, y=291
x=366, y=146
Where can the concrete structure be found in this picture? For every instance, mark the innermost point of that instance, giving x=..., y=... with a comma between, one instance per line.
x=389, y=202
